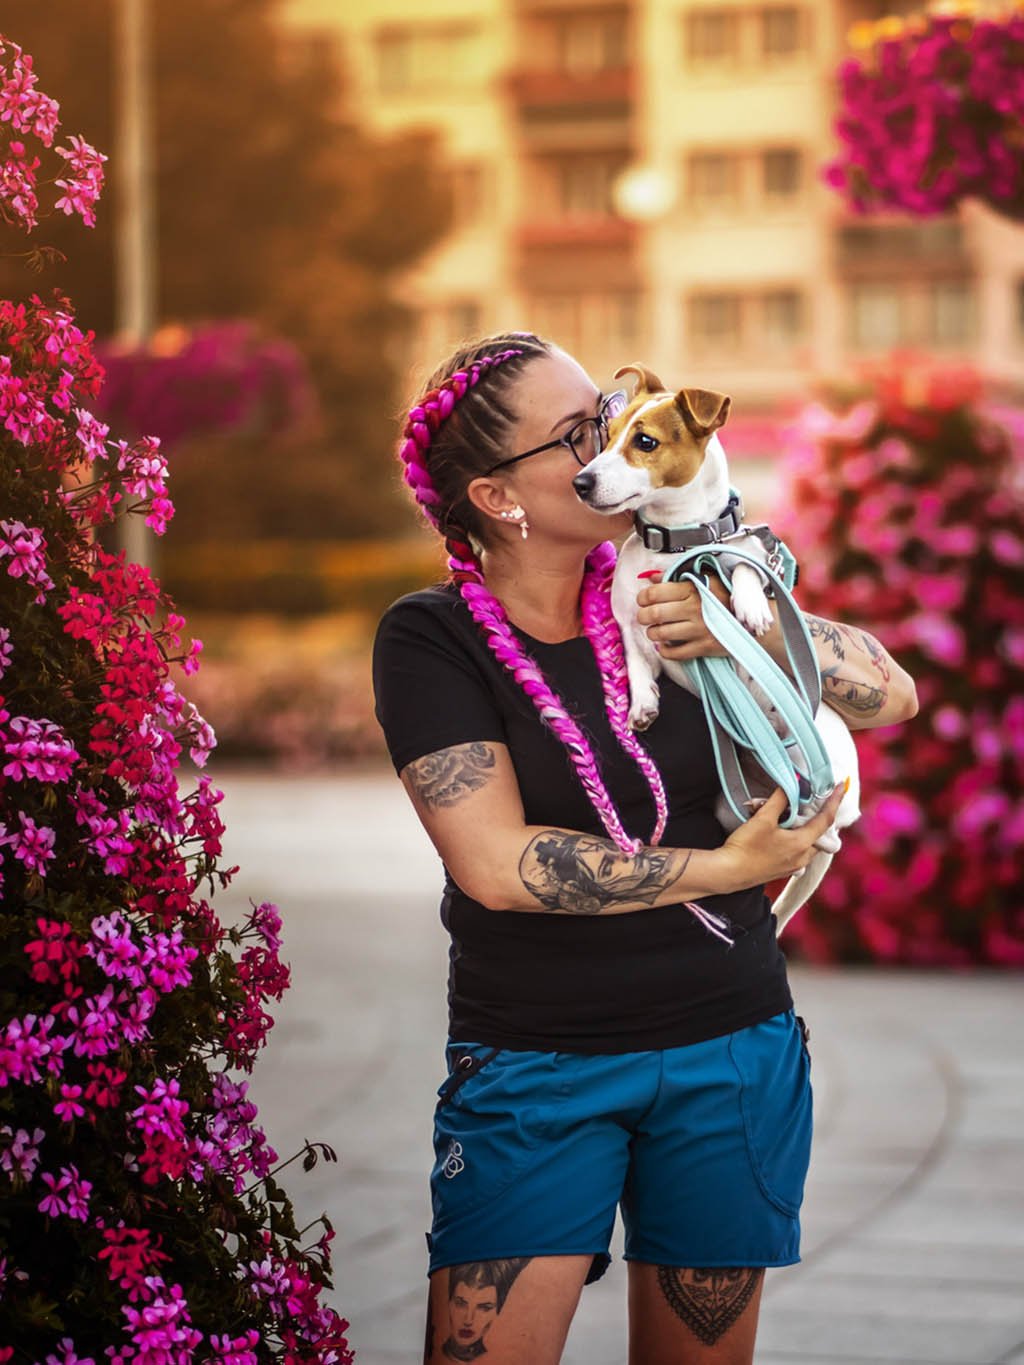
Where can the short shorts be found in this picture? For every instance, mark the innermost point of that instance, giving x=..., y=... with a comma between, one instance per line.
x=704, y=1147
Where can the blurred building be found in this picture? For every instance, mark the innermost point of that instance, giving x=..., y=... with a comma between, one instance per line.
x=639, y=179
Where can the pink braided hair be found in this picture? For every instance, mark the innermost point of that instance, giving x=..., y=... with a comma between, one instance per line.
x=599, y=626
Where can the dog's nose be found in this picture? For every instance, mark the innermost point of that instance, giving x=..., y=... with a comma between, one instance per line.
x=584, y=482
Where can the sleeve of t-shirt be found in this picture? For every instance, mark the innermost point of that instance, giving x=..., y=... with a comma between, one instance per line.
x=429, y=693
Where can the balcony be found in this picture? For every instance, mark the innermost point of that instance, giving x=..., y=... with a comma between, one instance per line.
x=578, y=232
x=873, y=249
x=554, y=89
x=571, y=253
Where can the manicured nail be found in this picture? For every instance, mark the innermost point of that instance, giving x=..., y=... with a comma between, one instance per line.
x=846, y=786
x=649, y=573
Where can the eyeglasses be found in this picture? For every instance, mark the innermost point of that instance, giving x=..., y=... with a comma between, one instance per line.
x=586, y=438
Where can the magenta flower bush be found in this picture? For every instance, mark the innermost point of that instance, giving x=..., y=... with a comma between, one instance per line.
x=933, y=112
x=905, y=504
x=140, y=1217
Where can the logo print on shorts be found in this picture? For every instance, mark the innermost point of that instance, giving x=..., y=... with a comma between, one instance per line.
x=453, y=1162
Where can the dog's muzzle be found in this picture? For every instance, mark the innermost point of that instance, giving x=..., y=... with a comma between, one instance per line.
x=584, y=483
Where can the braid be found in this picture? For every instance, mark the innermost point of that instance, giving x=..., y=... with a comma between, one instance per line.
x=602, y=631
x=453, y=515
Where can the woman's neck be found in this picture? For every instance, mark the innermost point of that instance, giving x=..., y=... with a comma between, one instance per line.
x=544, y=599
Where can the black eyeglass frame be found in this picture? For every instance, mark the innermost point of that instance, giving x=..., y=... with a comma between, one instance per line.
x=601, y=430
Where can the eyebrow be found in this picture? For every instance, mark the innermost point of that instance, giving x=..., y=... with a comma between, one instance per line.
x=574, y=416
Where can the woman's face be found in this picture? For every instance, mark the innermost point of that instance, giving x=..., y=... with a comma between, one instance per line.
x=552, y=394
x=471, y=1312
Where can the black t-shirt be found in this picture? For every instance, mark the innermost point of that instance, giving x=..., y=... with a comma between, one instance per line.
x=652, y=978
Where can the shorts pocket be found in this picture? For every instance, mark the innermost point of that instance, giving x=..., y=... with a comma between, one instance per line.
x=773, y=1066
x=488, y=1128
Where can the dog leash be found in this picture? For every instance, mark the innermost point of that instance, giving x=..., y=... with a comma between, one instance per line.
x=797, y=760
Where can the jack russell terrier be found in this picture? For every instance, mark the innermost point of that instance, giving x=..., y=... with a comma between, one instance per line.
x=665, y=463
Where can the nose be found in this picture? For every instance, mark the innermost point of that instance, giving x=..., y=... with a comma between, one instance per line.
x=584, y=483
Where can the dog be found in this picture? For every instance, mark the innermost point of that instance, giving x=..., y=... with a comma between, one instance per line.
x=665, y=462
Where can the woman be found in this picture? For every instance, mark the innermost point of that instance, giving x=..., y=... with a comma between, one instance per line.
x=606, y=1046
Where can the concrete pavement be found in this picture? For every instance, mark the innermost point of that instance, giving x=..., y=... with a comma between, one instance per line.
x=914, y=1214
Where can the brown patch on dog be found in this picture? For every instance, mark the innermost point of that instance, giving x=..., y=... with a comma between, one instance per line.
x=703, y=410
x=678, y=456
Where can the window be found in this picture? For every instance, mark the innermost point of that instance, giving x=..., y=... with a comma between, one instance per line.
x=712, y=35
x=715, y=321
x=714, y=180
x=950, y=317
x=428, y=57
x=877, y=316
x=782, y=315
x=781, y=174
x=588, y=43
x=558, y=316
x=782, y=31
x=584, y=185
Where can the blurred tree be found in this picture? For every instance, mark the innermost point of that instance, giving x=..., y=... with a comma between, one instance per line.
x=272, y=204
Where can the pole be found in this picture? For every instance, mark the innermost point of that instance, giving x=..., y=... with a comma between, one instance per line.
x=135, y=269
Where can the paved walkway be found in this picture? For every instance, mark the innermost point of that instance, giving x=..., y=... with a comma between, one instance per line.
x=914, y=1216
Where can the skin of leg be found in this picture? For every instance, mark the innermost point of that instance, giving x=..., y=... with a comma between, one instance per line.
x=692, y=1317
x=530, y=1326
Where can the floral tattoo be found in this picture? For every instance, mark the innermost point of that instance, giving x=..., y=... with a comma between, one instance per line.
x=445, y=777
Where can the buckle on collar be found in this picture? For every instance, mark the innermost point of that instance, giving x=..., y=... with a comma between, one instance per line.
x=654, y=537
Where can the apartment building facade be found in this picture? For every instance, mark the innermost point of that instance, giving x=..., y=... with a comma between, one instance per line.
x=641, y=179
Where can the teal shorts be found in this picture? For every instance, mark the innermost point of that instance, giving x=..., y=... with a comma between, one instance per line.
x=704, y=1148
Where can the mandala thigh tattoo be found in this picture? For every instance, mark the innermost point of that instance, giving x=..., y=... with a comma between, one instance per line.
x=708, y=1302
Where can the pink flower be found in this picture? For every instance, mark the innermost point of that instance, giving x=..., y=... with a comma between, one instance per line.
x=67, y=1107
x=21, y=1155
x=83, y=182
x=1007, y=548
x=92, y=435
x=33, y=845
x=948, y=723
x=6, y=649
x=940, y=639
x=67, y=1355
x=892, y=815
x=24, y=548
x=988, y=808
x=38, y=749
x=939, y=592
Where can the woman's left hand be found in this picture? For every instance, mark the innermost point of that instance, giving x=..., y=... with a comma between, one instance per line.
x=672, y=616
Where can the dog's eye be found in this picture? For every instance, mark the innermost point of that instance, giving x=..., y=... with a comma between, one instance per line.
x=644, y=442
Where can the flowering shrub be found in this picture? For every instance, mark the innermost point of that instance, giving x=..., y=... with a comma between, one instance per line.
x=903, y=505
x=933, y=112
x=140, y=1220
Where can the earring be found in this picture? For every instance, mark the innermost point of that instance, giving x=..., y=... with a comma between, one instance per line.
x=518, y=514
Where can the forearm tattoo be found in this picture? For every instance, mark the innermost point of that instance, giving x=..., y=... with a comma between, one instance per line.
x=582, y=874
x=853, y=695
x=709, y=1302
x=445, y=777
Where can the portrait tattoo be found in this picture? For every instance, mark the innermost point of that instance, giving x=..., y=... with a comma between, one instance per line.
x=855, y=698
x=476, y=1295
x=708, y=1302
x=445, y=777
x=582, y=874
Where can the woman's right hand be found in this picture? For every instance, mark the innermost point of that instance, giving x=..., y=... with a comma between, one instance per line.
x=762, y=850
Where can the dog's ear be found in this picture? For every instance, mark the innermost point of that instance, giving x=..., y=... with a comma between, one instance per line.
x=648, y=379
x=704, y=411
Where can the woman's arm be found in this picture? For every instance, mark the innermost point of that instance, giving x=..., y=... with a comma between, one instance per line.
x=468, y=800
x=860, y=679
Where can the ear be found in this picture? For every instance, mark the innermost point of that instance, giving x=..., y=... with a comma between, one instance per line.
x=647, y=378
x=489, y=498
x=704, y=411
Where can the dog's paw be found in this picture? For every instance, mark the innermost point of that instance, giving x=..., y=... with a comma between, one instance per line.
x=753, y=612
x=644, y=707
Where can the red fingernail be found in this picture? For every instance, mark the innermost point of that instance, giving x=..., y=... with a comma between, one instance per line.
x=649, y=573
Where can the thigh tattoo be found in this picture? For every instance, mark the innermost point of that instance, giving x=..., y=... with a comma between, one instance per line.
x=709, y=1302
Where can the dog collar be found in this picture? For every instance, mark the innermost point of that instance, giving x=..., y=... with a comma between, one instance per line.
x=673, y=538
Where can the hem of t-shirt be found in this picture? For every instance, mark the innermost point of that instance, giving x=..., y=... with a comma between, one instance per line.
x=681, y=1034
x=411, y=752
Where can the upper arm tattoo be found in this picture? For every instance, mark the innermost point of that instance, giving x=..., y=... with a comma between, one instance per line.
x=583, y=874
x=855, y=696
x=445, y=777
